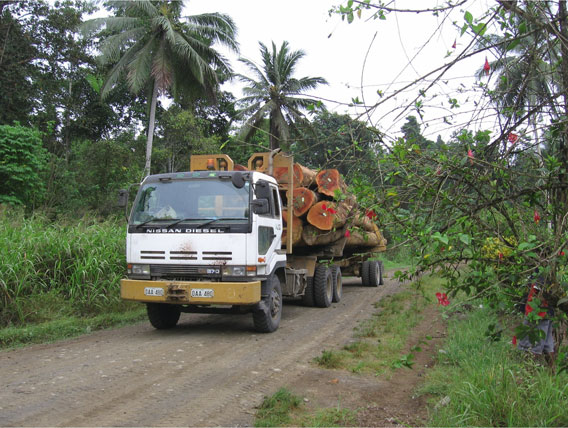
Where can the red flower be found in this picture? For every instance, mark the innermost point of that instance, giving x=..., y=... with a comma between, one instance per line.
x=442, y=299
x=470, y=156
x=514, y=340
x=331, y=211
x=536, y=216
x=371, y=214
x=439, y=171
x=347, y=233
x=324, y=207
x=561, y=253
x=501, y=256
x=486, y=67
x=513, y=138
x=542, y=314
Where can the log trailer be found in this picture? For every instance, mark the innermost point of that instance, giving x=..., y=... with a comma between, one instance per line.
x=214, y=240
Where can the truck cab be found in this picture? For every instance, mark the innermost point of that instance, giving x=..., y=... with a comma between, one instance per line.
x=206, y=241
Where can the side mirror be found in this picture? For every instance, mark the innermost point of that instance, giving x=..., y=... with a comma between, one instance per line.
x=238, y=180
x=122, y=198
x=262, y=189
x=260, y=206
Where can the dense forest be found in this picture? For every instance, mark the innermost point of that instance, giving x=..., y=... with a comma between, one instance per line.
x=90, y=106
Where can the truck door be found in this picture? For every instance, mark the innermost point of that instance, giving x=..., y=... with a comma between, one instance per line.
x=270, y=229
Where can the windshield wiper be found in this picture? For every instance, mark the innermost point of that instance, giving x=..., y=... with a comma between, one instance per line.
x=144, y=223
x=219, y=219
x=177, y=221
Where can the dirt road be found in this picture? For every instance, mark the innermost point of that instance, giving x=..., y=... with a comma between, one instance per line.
x=211, y=370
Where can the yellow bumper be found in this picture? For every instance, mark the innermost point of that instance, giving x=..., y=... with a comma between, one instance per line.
x=180, y=292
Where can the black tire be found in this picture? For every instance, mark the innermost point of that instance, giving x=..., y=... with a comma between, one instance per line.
x=337, y=283
x=374, y=273
x=308, y=297
x=382, y=267
x=267, y=320
x=323, y=286
x=365, y=273
x=163, y=315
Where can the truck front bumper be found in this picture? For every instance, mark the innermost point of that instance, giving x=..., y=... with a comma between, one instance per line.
x=191, y=293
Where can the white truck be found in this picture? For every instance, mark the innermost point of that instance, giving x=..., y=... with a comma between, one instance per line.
x=210, y=241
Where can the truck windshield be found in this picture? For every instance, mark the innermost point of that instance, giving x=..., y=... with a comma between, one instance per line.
x=193, y=201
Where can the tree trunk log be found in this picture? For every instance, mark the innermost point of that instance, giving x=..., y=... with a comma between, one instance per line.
x=303, y=199
x=303, y=177
x=326, y=215
x=311, y=235
x=297, y=227
x=363, y=239
x=329, y=181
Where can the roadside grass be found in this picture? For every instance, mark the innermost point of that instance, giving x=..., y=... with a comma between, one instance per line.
x=60, y=279
x=480, y=381
x=69, y=327
x=376, y=348
x=284, y=408
x=378, y=341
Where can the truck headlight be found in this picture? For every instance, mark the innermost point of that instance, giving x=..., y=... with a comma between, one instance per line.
x=138, y=270
x=234, y=271
x=239, y=270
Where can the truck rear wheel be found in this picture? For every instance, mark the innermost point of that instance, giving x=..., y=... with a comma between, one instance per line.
x=382, y=267
x=337, y=283
x=365, y=273
x=323, y=286
x=163, y=315
x=308, y=297
x=267, y=320
x=374, y=274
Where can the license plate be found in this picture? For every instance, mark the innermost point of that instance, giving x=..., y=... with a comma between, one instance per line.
x=202, y=292
x=153, y=291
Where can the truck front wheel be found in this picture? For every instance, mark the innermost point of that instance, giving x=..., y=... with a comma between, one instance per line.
x=163, y=315
x=267, y=319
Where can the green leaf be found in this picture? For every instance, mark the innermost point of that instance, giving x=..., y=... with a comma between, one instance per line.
x=513, y=44
x=468, y=17
x=441, y=238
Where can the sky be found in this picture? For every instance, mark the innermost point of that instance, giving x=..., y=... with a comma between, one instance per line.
x=371, y=54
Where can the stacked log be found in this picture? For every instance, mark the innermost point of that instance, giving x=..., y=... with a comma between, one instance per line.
x=324, y=213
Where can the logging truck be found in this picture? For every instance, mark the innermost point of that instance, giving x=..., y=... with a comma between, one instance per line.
x=225, y=238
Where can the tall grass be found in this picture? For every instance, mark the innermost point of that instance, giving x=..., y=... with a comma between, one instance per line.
x=72, y=264
x=491, y=383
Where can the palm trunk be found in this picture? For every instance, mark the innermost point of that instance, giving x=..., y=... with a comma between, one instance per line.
x=151, y=123
x=560, y=194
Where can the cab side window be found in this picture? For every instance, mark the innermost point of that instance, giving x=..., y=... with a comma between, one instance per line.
x=275, y=202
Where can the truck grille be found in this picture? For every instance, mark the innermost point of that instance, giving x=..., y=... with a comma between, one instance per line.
x=223, y=256
x=182, y=272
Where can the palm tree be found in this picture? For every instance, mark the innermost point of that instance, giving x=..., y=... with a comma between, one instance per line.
x=276, y=93
x=160, y=53
x=526, y=80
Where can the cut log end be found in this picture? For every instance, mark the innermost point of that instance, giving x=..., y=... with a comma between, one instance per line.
x=303, y=200
x=329, y=181
x=322, y=215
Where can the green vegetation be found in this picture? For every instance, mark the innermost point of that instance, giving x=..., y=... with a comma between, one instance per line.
x=284, y=408
x=59, y=278
x=379, y=340
x=491, y=383
x=275, y=410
